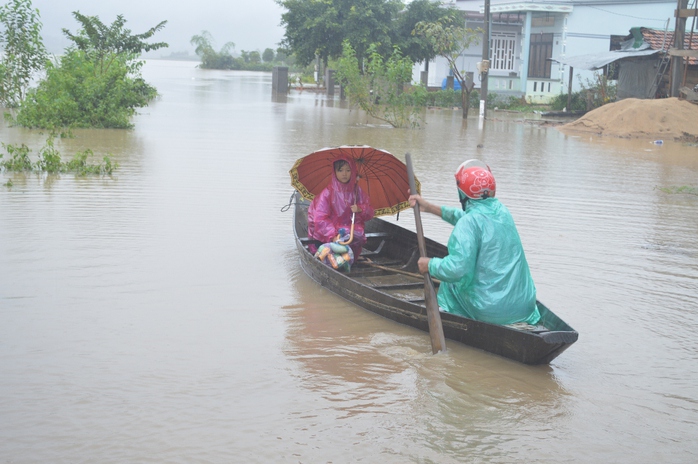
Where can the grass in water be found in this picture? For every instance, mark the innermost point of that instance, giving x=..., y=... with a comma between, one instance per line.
x=684, y=189
x=50, y=161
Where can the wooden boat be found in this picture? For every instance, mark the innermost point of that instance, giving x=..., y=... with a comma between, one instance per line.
x=388, y=284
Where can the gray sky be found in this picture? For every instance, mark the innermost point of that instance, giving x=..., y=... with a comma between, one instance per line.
x=250, y=24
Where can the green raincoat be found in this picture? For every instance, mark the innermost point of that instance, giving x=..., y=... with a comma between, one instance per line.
x=485, y=275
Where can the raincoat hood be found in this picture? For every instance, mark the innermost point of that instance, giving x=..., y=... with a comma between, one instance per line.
x=336, y=185
x=331, y=210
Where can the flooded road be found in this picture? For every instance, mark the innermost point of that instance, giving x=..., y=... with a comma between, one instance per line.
x=161, y=315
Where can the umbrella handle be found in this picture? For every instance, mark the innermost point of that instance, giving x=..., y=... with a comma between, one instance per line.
x=351, y=234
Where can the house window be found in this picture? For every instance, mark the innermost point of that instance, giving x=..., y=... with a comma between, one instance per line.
x=502, y=49
x=539, y=57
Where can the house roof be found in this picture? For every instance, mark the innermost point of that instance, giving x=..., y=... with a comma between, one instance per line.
x=599, y=60
x=642, y=41
x=663, y=40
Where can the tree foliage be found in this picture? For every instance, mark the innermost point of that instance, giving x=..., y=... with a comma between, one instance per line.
x=268, y=55
x=449, y=39
x=210, y=58
x=96, y=83
x=379, y=90
x=76, y=94
x=51, y=162
x=321, y=26
x=282, y=56
x=417, y=47
x=23, y=50
x=254, y=57
x=102, y=44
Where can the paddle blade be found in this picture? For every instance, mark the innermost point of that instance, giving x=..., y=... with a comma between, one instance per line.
x=436, y=331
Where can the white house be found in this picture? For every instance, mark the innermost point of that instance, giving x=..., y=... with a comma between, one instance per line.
x=527, y=35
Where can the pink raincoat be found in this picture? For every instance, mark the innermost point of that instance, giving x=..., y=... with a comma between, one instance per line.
x=331, y=210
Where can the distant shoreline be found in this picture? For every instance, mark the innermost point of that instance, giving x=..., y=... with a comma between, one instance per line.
x=174, y=58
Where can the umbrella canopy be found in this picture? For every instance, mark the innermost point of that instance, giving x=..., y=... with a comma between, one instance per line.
x=381, y=176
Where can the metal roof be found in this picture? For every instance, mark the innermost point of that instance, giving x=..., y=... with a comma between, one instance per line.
x=647, y=42
x=599, y=60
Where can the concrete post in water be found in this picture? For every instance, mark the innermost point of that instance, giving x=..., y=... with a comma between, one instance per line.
x=569, y=90
x=329, y=81
x=485, y=64
x=525, y=52
x=318, y=70
x=677, y=61
x=449, y=82
x=279, y=79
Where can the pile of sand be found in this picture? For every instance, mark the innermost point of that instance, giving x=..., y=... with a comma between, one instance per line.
x=666, y=118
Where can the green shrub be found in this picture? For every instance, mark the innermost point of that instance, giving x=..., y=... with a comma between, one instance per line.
x=50, y=161
x=447, y=98
x=417, y=95
x=49, y=158
x=75, y=94
x=576, y=104
x=19, y=158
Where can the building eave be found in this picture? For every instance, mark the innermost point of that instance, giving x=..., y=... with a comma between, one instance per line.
x=532, y=7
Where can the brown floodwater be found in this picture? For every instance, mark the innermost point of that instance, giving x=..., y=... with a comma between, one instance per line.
x=161, y=315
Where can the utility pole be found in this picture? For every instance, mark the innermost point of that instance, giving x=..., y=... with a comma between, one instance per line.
x=485, y=63
x=677, y=61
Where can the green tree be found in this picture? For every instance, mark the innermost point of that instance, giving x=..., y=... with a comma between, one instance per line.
x=379, y=90
x=268, y=55
x=103, y=44
x=210, y=59
x=24, y=52
x=282, y=56
x=450, y=38
x=315, y=27
x=255, y=57
x=75, y=93
x=96, y=83
x=417, y=47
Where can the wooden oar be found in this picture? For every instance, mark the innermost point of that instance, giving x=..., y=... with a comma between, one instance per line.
x=436, y=330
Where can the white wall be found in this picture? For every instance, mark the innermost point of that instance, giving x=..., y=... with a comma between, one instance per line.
x=589, y=28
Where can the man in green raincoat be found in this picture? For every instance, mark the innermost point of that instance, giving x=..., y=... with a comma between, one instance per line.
x=485, y=275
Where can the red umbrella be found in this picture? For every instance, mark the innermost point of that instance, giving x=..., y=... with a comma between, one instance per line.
x=381, y=175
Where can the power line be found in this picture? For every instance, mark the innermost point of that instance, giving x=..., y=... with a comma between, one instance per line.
x=627, y=16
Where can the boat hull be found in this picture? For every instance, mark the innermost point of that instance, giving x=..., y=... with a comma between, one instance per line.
x=390, y=286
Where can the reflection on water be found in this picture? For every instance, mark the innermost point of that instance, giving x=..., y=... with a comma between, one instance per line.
x=362, y=364
x=160, y=315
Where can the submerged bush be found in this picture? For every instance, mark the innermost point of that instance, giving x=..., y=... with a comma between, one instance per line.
x=576, y=104
x=684, y=189
x=75, y=94
x=50, y=161
x=447, y=98
x=18, y=158
x=81, y=167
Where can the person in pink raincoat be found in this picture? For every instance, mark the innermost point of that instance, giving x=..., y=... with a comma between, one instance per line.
x=333, y=208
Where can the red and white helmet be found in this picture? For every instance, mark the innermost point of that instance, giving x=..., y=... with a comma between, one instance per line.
x=475, y=180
